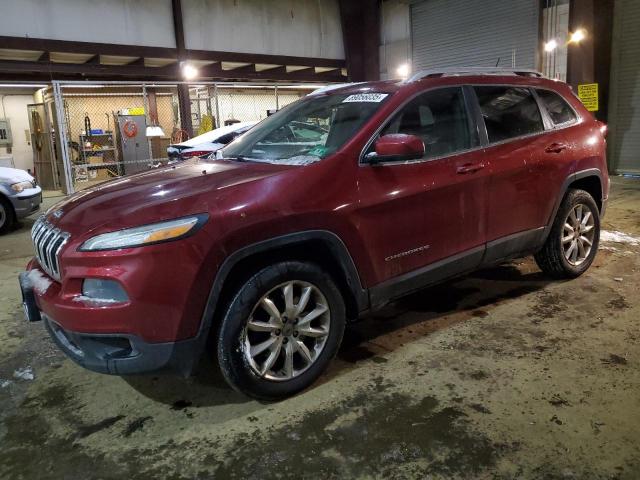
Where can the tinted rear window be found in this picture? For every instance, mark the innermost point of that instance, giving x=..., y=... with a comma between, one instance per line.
x=509, y=112
x=557, y=107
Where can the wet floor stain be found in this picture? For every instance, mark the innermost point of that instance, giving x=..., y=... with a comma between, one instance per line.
x=135, y=425
x=614, y=359
x=86, y=430
x=355, y=438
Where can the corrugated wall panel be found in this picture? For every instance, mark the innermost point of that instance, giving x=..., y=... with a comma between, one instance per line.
x=453, y=33
x=624, y=104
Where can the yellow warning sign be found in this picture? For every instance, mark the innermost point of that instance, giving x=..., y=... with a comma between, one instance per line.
x=588, y=94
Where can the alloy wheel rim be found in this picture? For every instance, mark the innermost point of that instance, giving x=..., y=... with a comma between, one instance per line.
x=287, y=330
x=578, y=234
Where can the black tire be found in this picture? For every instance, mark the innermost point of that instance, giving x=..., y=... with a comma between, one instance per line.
x=7, y=216
x=231, y=348
x=551, y=258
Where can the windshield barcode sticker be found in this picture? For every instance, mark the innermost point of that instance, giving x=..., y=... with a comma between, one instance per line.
x=366, y=97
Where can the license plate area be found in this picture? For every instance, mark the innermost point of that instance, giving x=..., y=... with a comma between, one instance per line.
x=31, y=310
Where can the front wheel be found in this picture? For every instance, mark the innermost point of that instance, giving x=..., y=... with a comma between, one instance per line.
x=7, y=218
x=573, y=241
x=281, y=330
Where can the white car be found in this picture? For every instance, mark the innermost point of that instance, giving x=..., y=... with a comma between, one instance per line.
x=208, y=143
x=20, y=196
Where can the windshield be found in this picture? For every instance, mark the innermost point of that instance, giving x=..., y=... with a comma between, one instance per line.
x=306, y=131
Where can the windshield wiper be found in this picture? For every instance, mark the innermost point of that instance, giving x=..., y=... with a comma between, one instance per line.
x=237, y=158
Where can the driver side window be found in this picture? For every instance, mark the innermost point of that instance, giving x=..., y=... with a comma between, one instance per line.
x=439, y=118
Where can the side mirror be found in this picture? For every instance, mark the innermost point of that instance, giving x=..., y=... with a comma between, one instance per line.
x=396, y=147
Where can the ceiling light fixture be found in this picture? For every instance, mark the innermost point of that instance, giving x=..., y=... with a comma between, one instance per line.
x=577, y=36
x=403, y=70
x=189, y=72
x=551, y=45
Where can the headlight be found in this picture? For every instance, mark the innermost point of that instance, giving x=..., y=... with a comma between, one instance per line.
x=146, y=235
x=20, y=186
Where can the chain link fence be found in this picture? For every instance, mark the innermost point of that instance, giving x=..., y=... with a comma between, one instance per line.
x=108, y=130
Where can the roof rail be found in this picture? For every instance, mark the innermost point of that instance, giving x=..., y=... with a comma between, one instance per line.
x=525, y=72
x=333, y=86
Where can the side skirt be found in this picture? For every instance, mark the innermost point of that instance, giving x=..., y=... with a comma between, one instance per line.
x=513, y=246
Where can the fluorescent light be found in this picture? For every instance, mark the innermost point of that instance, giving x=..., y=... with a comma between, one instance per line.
x=154, y=131
x=189, y=72
x=551, y=45
x=22, y=85
x=403, y=70
x=577, y=36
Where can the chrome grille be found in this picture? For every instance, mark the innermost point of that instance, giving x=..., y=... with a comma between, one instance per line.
x=47, y=243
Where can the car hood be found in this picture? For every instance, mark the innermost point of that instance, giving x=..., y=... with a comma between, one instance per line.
x=187, y=188
x=14, y=175
x=213, y=135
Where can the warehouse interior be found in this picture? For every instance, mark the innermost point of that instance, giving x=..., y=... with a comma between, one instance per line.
x=498, y=374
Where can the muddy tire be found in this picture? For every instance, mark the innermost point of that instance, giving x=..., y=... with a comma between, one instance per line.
x=573, y=241
x=7, y=216
x=281, y=330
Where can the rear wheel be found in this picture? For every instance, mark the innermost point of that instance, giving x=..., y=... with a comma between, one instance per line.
x=281, y=330
x=7, y=217
x=573, y=241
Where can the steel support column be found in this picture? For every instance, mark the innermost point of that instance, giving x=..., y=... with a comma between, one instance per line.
x=590, y=60
x=360, y=21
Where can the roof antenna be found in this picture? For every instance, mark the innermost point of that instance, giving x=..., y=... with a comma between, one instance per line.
x=498, y=62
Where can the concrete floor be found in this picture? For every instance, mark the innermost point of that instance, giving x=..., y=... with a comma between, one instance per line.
x=502, y=374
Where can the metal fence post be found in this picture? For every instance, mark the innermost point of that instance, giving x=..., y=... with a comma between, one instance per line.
x=277, y=99
x=58, y=102
x=215, y=92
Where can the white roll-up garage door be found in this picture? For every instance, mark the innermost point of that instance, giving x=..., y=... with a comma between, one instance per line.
x=624, y=103
x=479, y=33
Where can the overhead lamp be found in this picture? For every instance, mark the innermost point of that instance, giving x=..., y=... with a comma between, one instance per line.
x=403, y=70
x=189, y=72
x=577, y=36
x=551, y=45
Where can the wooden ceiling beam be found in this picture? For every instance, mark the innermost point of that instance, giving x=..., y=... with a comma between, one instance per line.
x=168, y=73
x=66, y=46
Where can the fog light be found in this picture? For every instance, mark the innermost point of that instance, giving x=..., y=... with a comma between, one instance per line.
x=104, y=290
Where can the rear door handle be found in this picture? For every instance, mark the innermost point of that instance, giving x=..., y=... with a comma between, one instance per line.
x=469, y=168
x=555, y=148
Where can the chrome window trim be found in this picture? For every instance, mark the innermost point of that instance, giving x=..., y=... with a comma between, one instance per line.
x=558, y=126
x=362, y=158
x=543, y=112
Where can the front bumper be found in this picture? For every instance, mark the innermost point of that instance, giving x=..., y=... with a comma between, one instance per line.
x=121, y=354
x=113, y=353
x=25, y=206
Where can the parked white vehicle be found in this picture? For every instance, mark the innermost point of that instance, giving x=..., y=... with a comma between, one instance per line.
x=20, y=196
x=208, y=143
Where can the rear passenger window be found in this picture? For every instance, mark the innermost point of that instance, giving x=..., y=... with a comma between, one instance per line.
x=439, y=118
x=509, y=112
x=558, y=108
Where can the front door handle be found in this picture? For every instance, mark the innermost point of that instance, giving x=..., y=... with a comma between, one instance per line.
x=469, y=168
x=555, y=148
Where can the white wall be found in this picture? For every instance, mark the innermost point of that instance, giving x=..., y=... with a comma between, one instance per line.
x=395, y=34
x=15, y=109
x=304, y=28
x=555, y=24
x=133, y=22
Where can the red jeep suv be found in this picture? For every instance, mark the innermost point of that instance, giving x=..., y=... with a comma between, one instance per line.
x=332, y=207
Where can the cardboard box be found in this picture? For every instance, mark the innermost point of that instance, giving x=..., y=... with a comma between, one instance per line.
x=97, y=173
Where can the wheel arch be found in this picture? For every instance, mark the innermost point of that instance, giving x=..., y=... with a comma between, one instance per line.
x=319, y=246
x=591, y=183
x=589, y=180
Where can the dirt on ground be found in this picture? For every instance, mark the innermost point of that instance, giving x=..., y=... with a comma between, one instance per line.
x=498, y=375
